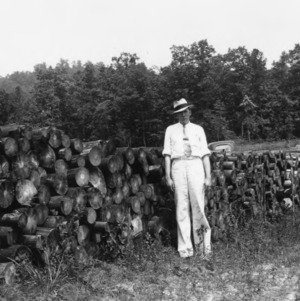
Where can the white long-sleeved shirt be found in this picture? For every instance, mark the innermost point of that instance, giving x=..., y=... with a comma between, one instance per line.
x=174, y=142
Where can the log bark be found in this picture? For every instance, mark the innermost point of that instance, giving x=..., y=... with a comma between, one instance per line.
x=78, y=176
x=63, y=204
x=42, y=213
x=94, y=198
x=46, y=156
x=8, y=236
x=97, y=180
x=76, y=145
x=65, y=154
x=89, y=215
x=7, y=193
x=9, y=147
x=79, y=198
x=57, y=182
x=83, y=235
x=8, y=272
x=25, y=191
x=4, y=167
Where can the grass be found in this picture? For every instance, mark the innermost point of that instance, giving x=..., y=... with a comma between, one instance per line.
x=261, y=264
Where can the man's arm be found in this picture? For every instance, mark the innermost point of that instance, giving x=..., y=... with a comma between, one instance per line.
x=207, y=170
x=169, y=180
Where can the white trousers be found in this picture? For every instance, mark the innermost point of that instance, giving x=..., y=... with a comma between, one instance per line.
x=188, y=177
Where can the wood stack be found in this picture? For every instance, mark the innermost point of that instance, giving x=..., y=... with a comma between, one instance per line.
x=61, y=192
x=92, y=198
x=251, y=185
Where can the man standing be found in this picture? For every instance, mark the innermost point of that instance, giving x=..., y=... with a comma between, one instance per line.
x=188, y=171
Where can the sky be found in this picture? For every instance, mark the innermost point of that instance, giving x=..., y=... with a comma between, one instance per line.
x=46, y=31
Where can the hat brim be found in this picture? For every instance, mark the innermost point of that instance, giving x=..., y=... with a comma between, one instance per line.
x=182, y=109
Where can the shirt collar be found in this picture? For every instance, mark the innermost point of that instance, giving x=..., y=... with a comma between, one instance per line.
x=185, y=125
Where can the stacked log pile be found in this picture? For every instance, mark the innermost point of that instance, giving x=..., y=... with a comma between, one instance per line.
x=89, y=198
x=249, y=185
x=92, y=198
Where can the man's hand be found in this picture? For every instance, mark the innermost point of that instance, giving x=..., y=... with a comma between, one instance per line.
x=170, y=183
x=207, y=181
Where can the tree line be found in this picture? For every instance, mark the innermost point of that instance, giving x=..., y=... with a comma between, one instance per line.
x=235, y=96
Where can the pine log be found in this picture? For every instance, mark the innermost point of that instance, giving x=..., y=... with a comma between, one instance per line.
x=89, y=215
x=63, y=204
x=21, y=166
x=32, y=219
x=77, y=160
x=61, y=167
x=8, y=272
x=134, y=203
x=42, y=212
x=79, y=197
x=114, y=180
x=65, y=154
x=4, y=167
x=35, y=178
x=141, y=197
x=46, y=156
x=147, y=190
x=57, y=182
x=44, y=194
x=41, y=134
x=7, y=193
x=127, y=171
x=126, y=189
x=101, y=226
x=76, y=145
x=25, y=191
x=11, y=130
x=83, y=235
x=118, y=195
x=135, y=182
x=97, y=180
x=108, y=147
x=24, y=145
x=93, y=156
x=13, y=219
x=54, y=221
x=33, y=159
x=109, y=164
x=9, y=147
x=65, y=141
x=50, y=236
x=8, y=236
x=78, y=176
x=129, y=155
x=32, y=241
x=55, y=138
x=94, y=198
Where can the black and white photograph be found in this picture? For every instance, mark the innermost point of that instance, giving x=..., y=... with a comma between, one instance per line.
x=150, y=150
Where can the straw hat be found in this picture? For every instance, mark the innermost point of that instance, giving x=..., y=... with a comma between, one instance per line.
x=180, y=105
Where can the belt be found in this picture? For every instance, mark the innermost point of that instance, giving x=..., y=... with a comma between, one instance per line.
x=186, y=158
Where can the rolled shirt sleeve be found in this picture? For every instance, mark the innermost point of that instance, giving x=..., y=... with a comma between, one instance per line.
x=167, y=143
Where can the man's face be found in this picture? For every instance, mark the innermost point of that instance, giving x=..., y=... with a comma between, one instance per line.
x=184, y=116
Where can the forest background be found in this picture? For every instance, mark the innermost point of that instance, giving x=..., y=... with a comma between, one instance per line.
x=235, y=96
